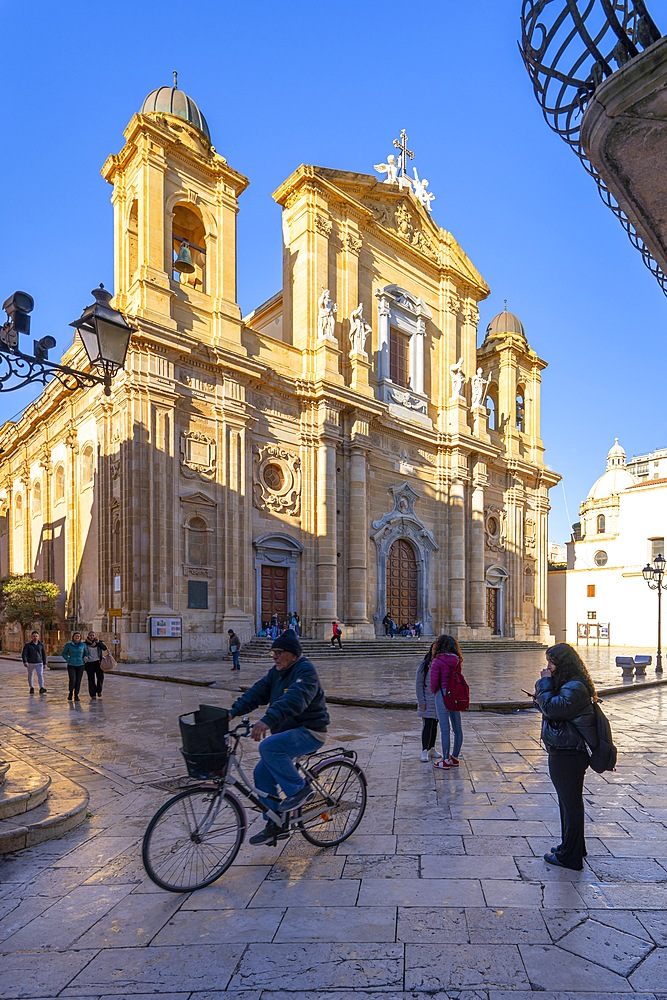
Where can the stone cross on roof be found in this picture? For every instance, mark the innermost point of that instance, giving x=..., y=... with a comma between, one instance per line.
x=402, y=144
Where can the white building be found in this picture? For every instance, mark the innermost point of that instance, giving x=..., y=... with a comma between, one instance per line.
x=623, y=526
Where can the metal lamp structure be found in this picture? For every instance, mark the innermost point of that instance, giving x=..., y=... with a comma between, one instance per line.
x=104, y=331
x=654, y=575
x=105, y=334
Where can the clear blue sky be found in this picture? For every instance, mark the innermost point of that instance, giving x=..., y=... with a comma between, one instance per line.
x=333, y=84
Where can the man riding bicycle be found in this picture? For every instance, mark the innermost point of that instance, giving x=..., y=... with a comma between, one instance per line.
x=297, y=718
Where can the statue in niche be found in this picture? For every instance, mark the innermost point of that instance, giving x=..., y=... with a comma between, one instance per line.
x=423, y=196
x=359, y=330
x=458, y=379
x=479, y=384
x=326, y=320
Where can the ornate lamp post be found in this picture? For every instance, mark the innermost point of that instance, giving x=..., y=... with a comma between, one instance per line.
x=654, y=574
x=104, y=331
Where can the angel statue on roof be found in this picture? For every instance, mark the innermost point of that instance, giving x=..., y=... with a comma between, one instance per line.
x=421, y=194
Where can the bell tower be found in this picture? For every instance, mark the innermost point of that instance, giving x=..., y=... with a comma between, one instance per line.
x=175, y=204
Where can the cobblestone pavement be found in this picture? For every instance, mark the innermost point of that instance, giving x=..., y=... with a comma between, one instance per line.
x=442, y=892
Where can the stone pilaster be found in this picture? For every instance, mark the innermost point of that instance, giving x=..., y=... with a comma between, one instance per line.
x=327, y=535
x=477, y=588
x=358, y=536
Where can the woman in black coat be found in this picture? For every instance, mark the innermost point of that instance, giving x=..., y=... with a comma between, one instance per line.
x=564, y=695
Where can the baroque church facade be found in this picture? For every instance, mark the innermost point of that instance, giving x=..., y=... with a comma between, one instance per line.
x=345, y=450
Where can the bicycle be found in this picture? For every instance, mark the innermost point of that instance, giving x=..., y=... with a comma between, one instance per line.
x=195, y=836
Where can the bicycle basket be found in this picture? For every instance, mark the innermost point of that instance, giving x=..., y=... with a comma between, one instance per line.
x=204, y=747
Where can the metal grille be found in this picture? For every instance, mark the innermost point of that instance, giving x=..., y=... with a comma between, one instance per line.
x=569, y=47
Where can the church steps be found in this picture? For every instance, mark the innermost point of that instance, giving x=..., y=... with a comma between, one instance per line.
x=44, y=808
x=390, y=648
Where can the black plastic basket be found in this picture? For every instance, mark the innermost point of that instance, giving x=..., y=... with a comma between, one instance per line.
x=204, y=746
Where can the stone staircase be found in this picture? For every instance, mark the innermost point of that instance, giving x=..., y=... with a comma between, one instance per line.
x=399, y=647
x=35, y=807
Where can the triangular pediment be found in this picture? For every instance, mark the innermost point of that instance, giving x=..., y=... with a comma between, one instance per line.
x=395, y=210
x=198, y=498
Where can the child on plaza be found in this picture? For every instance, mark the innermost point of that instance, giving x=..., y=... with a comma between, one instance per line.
x=426, y=710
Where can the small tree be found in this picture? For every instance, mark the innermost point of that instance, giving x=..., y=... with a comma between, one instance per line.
x=27, y=601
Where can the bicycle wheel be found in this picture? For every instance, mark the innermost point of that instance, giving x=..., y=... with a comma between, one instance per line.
x=340, y=804
x=193, y=838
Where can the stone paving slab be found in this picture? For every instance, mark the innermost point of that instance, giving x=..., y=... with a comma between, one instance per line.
x=442, y=893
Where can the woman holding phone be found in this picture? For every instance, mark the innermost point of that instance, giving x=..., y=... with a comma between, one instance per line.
x=564, y=695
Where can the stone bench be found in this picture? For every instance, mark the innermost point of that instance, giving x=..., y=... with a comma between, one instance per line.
x=627, y=665
x=641, y=663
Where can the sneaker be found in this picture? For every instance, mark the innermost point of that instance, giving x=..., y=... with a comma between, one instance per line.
x=296, y=801
x=42, y=690
x=442, y=765
x=434, y=754
x=424, y=756
x=268, y=835
x=453, y=761
x=32, y=690
x=93, y=697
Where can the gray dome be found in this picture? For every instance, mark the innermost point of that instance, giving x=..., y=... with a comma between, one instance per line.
x=172, y=101
x=505, y=322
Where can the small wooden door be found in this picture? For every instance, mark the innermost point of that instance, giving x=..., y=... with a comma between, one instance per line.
x=274, y=592
x=402, y=583
x=492, y=596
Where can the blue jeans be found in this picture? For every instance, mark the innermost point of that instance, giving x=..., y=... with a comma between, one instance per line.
x=276, y=766
x=447, y=719
x=235, y=660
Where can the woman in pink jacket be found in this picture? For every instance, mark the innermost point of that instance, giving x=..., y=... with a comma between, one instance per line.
x=447, y=657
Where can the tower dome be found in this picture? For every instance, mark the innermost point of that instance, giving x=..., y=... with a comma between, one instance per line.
x=172, y=101
x=505, y=322
x=616, y=478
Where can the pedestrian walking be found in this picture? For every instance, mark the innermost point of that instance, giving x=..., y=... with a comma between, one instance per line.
x=446, y=657
x=275, y=627
x=426, y=709
x=234, y=648
x=33, y=655
x=565, y=695
x=75, y=654
x=295, y=624
x=93, y=665
x=336, y=633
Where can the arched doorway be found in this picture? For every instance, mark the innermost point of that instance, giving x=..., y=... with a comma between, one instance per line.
x=402, y=583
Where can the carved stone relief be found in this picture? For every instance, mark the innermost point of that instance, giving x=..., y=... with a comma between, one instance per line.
x=198, y=455
x=277, y=480
x=494, y=528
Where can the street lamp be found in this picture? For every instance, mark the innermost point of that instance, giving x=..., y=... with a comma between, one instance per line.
x=104, y=331
x=653, y=574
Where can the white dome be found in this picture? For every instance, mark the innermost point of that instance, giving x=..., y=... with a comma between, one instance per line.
x=615, y=479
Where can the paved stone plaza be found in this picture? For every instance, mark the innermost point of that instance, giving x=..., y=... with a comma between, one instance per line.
x=442, y=893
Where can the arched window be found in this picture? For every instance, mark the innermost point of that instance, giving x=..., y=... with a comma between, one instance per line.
x=188, y=227
x=602, y=524
x=36, y=498
x=197, y=542
x=87, y=465
x=133, y=237
x=18, y=509
x=59, y=483
x=520, y=408
x=492, y=406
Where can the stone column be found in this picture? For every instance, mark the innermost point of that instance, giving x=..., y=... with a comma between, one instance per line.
x=357, y=561
x=383, y=339
x=542, y=543
x=326, y=523
x=47, y=526
x=477, y=617
x=515, y=502
x=72, y=527
x=457, y=553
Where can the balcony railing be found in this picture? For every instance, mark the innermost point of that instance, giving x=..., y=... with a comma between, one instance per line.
x=569, y=47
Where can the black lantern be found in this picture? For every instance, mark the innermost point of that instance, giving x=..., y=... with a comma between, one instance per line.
x=105, y=334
